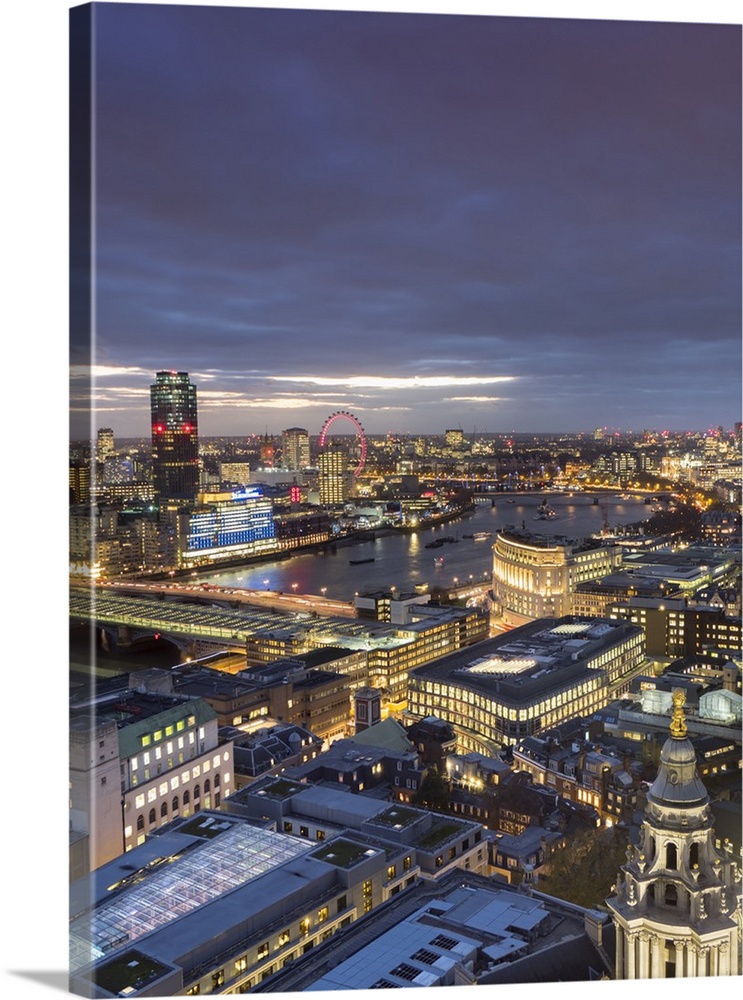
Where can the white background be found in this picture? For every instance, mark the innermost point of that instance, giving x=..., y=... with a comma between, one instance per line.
x=33, y=62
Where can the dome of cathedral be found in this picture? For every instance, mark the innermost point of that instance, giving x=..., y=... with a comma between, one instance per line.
x=677, y=782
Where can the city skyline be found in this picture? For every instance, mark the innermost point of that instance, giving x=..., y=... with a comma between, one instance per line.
x=430, y=220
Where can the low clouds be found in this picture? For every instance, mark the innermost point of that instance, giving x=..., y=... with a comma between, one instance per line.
x=392, y=382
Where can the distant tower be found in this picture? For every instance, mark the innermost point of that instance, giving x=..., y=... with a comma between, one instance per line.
x=367, y=707
x=295, y=447
x=335, y=481
x=79, y=483
x=175, y=436
x=677, y=907
x=267, y=453
x=105, y=444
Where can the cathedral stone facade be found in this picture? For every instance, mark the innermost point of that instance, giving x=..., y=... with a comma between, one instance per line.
x=677, y=909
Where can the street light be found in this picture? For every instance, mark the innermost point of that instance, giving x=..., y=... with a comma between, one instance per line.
x=323, y=591
x=294, y=587
x=265, y=584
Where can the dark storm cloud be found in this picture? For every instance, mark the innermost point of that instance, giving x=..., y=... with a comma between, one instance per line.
x=305, y=193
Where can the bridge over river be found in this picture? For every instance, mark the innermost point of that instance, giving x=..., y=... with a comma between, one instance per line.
x=198, y=628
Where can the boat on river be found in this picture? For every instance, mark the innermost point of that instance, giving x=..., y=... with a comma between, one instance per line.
x=358, y=562
x=545, y=512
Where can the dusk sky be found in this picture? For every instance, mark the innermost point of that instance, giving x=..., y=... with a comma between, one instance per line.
x=430, y=220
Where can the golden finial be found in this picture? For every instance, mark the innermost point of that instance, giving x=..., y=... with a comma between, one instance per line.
x=678, y=720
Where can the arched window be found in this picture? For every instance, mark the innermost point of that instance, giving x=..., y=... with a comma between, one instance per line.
x=163, y=810
x=186, y=797
x=671, y=857
x=175, y=805
x=153, y=815
x=207, y=786
x=670, y=897
x=694, y=854
x=140, y=822
x=197, y=792
x=216, y=781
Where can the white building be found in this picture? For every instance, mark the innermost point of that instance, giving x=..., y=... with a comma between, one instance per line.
x=134, y=770
x=534, y=576
x=295, y=448
x=172, y=765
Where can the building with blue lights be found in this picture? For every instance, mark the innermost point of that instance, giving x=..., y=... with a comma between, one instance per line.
x=227, y=526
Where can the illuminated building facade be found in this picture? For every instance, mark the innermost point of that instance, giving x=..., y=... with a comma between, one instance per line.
x=312, y=690
x=227, y=526
x=295, y=448
x=175, y=437
x=79, y=482
x=230, y=904
x=105, y=444
x=677, y=909
x=527, y=680
x=580, y=774
x=534, y=576
x=117, y=470
x=595, y=597
x=335, y=480
x=266, y=635
x=674, y=629
x=437, y=631
x=234, y=472
x=139, y=761
x=296, y=530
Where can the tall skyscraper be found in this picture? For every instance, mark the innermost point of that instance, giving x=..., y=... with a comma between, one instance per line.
x=175, y=437
x=295, y=447
x=335, y=480
x=267, y=453
x=105, y=447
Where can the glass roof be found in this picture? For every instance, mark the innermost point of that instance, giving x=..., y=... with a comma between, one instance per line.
x=575, y=628
x=179, y=886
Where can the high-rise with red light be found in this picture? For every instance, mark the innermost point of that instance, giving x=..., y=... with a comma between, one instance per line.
x=175, y=436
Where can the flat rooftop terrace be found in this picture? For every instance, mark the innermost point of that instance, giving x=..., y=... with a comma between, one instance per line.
x=548, y=650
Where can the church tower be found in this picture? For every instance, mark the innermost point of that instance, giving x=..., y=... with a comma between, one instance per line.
x=677, y=910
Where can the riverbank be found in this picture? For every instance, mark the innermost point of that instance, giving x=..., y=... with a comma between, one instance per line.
x=330, y=545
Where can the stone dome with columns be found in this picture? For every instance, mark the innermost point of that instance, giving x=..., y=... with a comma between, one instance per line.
x=677, y=906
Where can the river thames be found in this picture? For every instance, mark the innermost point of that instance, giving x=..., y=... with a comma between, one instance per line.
x=403, y=561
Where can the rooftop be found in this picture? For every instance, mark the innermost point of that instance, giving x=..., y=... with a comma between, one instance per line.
x=438, y=835
x=281, y=788
x=388, y=734
x=167, y=892
x=129, y=972
x=532, y=538
x=547, y=653
x=343, y=853
x=398, y=817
